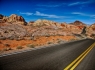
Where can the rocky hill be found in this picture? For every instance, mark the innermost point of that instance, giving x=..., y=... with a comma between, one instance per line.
x=78, y=23
x=13, y=19
x=15, y=27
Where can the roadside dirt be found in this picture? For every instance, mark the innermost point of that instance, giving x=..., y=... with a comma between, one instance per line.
x=40, y=41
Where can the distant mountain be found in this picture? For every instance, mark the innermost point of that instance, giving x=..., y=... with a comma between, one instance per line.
x=77, y=23
x=15, y=27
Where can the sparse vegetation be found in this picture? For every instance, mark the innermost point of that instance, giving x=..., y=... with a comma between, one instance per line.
x=49, y=42
x=72, y=39
x=31, y=45
x=2, y=38
x=93, y=35
x=59, y=41
x=7, y=45
x=5, y=49
x=47, y=35
x=19, y=47
x=9, y=48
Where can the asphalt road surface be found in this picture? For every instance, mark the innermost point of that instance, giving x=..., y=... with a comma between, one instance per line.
x=51, y=58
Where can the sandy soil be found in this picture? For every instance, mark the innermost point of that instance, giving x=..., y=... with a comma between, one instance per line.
x=40, y=41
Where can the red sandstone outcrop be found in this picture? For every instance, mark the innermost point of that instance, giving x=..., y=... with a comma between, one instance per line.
x=14, y=19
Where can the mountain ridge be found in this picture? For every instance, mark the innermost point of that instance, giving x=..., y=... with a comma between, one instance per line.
x=41, y=27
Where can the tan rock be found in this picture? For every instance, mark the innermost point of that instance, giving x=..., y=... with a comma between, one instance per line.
x=16, y=19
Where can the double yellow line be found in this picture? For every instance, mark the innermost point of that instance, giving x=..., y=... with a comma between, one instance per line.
x=75, y=63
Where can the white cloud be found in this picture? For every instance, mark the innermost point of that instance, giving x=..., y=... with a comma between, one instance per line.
x=50, y=5
x=37, y=13
x=47, y=15
x=79, y=3
x=79, y=13
x=26, y=13
x=83, y=14
x=76, y=3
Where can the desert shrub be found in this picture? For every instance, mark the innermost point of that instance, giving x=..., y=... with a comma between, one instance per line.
x=11, y=38
x=31, y=45
x=7, y=45
x=19, y=47
x=93, y=35
x=47, y=36
x=32, y=38
x=5, y=49
x=17, y=39
x=9, y=48
x=59, y=41
x=49, y=42
x=5, y=31
x=72, y=39
x=2, y=38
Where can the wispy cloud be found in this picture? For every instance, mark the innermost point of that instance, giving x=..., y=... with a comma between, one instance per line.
x=83, y=14
x=48, y=15
x=79, y=13
x=50, y=5
x=72, y=4
x=26, y=13
x=79, y=3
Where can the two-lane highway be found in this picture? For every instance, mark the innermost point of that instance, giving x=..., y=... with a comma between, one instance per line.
x=51, y=58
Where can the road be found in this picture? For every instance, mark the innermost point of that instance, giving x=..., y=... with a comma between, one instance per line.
x=51, y=58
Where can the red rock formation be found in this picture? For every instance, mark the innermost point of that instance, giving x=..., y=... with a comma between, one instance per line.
x=78, y=23
x=16, y=19
x=12, y=19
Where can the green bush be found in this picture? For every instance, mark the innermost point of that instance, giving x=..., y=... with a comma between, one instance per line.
x=19, y=47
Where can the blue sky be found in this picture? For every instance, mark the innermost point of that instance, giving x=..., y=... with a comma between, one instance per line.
x=55, y=10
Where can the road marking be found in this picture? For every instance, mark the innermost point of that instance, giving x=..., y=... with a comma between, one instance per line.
x=74, y=64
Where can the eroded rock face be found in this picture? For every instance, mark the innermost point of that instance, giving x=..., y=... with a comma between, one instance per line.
x=14, y=19
x=3, y=18
x=30, y=23
x=91, y=30
x=40, y=22
x=12, y=31
x=13, y=27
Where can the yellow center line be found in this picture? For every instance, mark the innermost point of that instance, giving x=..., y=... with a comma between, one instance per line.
x=80, y=57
